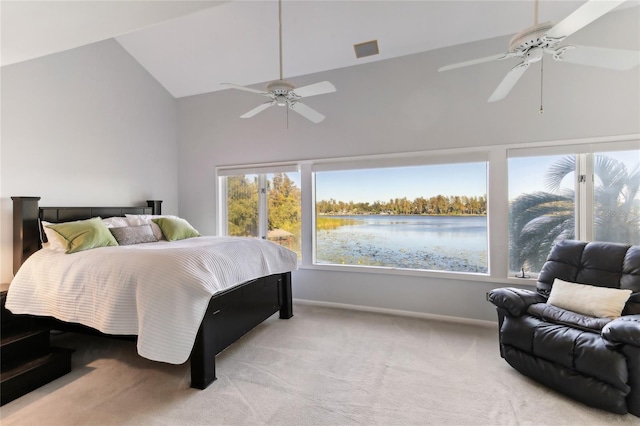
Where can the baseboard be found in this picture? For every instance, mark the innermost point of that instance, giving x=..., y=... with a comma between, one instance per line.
x=398, y=312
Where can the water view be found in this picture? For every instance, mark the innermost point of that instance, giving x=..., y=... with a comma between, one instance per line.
x=444, y=243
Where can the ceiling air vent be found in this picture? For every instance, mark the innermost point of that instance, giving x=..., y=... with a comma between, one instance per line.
x=368, y=48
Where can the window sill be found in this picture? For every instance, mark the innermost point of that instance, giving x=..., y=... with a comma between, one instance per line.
x=447, y=275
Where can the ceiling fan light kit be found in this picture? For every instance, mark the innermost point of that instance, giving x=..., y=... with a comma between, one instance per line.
x=284, y=93
x=532, y=43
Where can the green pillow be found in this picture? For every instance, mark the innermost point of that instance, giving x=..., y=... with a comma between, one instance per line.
x=175, y=228
x=84, y=234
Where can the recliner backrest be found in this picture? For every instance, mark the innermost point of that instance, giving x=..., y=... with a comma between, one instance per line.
x=596, y=263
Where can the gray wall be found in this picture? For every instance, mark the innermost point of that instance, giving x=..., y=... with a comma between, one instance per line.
x=405, y=105
x=88, y=126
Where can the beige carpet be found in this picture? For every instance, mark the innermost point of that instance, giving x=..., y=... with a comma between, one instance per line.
x=322, y=367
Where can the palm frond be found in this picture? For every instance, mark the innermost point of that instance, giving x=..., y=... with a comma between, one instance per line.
x=558, y=171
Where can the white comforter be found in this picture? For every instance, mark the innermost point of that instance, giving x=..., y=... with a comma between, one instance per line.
x=158, y=291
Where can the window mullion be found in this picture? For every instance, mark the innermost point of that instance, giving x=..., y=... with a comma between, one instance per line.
x=308, y=216
x=584, y=196
x=263, y=217
x=498, y=204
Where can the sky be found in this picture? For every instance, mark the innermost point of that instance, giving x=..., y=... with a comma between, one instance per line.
x=526, y=174
x=369, y=185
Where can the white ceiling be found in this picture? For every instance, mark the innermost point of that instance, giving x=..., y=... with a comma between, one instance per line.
x=192, y=46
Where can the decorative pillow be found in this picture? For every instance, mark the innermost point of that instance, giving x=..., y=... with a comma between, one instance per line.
x=175, y=228
x=84, y=234
x=594, y=301
x=54, y=240
x=145, y=219
x=127, y=235
x=116, y=222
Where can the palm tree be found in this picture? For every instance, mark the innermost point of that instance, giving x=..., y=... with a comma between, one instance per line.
x=539, y=219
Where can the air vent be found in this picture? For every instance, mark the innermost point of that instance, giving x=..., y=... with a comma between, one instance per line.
x=368, y=48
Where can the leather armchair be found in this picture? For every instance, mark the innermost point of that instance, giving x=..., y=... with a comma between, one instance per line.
x=593, y=360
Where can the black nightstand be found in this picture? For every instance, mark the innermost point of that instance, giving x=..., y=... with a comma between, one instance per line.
x=28, y=361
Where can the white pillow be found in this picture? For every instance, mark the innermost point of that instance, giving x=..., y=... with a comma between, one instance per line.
x=55, y=241
x=594, y=301
x=145, y=219
x=116, y=222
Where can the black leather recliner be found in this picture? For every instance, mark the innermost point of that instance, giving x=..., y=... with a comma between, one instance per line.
x=593, y=360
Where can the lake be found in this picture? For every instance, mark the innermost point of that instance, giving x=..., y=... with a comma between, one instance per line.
x=453, y=243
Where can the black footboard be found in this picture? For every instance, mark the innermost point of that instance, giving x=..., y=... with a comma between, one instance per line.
x=233, y=313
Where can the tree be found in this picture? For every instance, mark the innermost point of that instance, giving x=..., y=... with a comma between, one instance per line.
x=539, y=219
x=242, y=206
x=284, y=204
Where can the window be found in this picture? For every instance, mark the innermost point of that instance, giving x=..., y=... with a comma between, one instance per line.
x=487, y=213
x=616, y=192
x=264, y=205
x=541, y=208
x=429, y=217
x=242, y=205
x=579, y=192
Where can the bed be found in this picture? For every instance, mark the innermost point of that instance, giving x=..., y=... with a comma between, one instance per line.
x=228, y=313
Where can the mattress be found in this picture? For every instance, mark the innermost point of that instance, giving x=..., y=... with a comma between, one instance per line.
x=158, y=291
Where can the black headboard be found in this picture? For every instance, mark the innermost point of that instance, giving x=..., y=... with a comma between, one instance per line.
x=26, y=227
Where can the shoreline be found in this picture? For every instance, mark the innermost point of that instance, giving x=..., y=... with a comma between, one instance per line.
x=392, y=215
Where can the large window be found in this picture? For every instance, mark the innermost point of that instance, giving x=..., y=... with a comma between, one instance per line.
x=587, y=194
x=264, y=205
x=420, y=217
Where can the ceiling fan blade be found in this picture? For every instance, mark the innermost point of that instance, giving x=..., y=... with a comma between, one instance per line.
x=508, y=82
x=307, y=112
x=615, y=59
x=258, y=109
x=246, y=89
x=314, y=89
x=581, y=17
x=472, y=62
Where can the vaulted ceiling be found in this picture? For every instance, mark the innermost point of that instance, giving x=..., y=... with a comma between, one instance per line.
x=191, y=47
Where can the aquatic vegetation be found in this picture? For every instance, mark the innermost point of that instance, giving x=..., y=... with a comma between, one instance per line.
x=327, y=223
x=429, y=248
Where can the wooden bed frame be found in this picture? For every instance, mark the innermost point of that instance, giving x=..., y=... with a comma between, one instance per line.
x=230, y=314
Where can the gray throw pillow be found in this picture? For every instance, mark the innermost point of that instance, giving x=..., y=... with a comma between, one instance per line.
x=128, y=235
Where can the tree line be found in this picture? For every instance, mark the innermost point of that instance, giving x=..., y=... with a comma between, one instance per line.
x=436, y=205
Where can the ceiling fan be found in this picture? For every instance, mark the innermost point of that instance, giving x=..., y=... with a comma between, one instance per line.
x=284, y=93
x=531, y=43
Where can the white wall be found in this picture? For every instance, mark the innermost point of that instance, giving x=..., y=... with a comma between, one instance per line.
x=88, y=126
x=405, y=105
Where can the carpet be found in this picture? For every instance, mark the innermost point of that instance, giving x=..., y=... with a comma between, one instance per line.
x=324, y=366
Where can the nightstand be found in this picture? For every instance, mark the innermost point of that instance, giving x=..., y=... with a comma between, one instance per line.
x=28, y=360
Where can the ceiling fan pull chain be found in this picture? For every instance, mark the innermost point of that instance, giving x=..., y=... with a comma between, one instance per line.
x=541, y=82
x=535, y=14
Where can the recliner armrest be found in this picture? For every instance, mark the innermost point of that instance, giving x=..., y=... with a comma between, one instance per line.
x=514, y=300
x=625, y=330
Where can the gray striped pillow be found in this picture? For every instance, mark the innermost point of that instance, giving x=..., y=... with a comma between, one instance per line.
x=128, y=235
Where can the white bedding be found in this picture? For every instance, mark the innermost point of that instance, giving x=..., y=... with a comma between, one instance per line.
x=158, y=291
